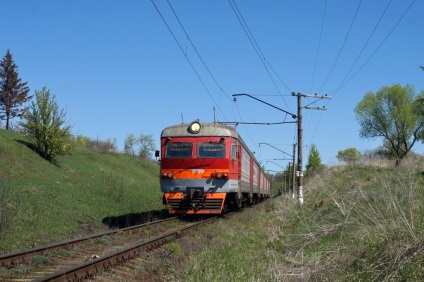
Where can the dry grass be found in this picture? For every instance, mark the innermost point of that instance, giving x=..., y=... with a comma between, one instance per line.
x=358, y=223
x=379, y=234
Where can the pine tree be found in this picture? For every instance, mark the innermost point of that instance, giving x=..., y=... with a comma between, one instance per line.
x=13, y=92
x=314, y=159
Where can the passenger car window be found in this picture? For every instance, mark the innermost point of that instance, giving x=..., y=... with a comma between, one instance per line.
x=234, y=151
x=179, y=150
x=211, y=150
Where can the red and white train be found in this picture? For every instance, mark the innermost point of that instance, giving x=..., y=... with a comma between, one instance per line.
x=206, y=168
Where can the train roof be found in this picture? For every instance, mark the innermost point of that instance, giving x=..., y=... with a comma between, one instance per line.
x=205, y=129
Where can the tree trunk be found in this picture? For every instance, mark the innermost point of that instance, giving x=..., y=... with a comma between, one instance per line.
x=7, y=121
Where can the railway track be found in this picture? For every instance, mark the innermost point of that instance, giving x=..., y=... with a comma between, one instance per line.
x=92, y=254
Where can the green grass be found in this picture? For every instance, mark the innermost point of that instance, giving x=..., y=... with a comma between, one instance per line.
x=358, y=223
x=41, y=202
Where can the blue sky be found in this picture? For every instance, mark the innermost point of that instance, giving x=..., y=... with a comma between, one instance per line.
x=116, y=68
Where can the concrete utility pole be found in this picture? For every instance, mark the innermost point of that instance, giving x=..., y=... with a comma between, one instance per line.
x=299, y=172
x=294, y=171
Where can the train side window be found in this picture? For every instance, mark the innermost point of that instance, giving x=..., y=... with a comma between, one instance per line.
x=234, y=151
x=211, y=150
x=179, y=150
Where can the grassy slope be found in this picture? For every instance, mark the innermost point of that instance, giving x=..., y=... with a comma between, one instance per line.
x=358, y=223
x=41, y=202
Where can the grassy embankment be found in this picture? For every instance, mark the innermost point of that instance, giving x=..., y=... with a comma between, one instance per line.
x=358, y=223
x=42, y=202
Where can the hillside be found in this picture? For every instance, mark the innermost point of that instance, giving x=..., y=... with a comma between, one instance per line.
x=41, y=202
x=360, y=222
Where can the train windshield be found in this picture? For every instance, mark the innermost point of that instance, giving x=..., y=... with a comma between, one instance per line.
x=178, y=150
x=211, y=150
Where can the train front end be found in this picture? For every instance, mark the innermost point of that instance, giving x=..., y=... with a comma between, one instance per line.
x=197, y=170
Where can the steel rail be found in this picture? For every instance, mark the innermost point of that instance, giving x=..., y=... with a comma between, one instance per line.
x=14, y=257
x=91, y=267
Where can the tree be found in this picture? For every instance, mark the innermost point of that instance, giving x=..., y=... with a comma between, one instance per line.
x=13, y=92
x=350, y=155
x=395, y=114
x=130, y=143
x=143, y=146
x=147, y=145
x=314, y=159
x=45, y=126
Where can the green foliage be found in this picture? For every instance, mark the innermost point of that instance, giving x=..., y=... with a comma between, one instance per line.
x=314, y=159
x=13, y=92
x=173, y=248
x=358, y=223
x=83, y=192
x=350, y=155
x=40, y=261
x=83, y=140
x=130, y=143
x=103, y=146
x=143, y=146
x=395, y=114
x=238, y=249
x=63, y=253
x=45, y=126
x=282, y=182
x=147, y=146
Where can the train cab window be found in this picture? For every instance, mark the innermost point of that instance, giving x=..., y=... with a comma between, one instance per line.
x=178, y=150
x=211, y=150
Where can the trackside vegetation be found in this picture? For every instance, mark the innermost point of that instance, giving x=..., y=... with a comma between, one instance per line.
x=42, y=202
x=363, y=221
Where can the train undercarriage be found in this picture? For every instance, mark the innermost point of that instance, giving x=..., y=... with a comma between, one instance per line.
x=196, y=202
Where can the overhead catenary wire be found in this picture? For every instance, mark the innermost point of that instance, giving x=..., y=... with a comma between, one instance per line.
x=365, y=45
x=244, y=128
x=201, y=59
x=342, y=47
x=319, y=44
x=344, y=82
x=197, y=52
x=376, y=50
x=258, y=51
x=256, y=47
x=189, y=61
x=315, y=66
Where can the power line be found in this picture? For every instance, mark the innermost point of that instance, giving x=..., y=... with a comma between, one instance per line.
x=342, y=47
x=319, y=44
x=247, y=133
x=195, y=49
x=256, y=47
x=365, y=45
x=185, y=55
x=378, y=48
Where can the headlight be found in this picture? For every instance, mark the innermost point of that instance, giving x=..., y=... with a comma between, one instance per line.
x=195, y=127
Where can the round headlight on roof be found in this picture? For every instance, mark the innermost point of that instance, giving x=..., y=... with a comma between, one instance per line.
x=195, y=127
